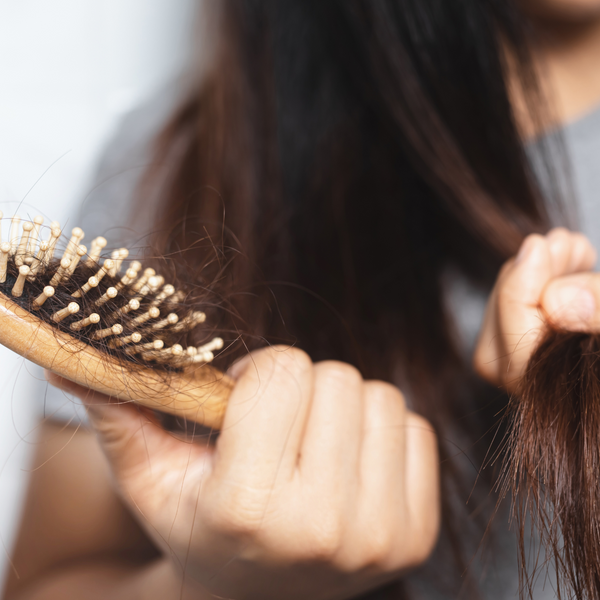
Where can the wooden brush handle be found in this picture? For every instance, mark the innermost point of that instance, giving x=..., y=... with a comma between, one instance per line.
x=199, y=394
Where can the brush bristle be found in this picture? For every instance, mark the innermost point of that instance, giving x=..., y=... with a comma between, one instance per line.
x=133, y=315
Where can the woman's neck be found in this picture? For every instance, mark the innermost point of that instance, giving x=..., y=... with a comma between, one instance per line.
x=567, y=57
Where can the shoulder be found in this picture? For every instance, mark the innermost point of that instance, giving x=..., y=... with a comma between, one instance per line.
x=106, y=207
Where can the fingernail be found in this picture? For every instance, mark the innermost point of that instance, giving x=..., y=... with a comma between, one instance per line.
x=576, y=305
x=238, y=367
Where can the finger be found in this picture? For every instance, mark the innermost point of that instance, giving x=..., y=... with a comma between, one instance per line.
x=572, y=302
x=583, y=254
x=130, y=436
x=489, y=344
x=560, y=245
x=384, y=439
x=382, y=471
x=520, y=320
x=331, y=444
x=513, y=323
x=422, y=483
x=265, y=417
x=570, y=252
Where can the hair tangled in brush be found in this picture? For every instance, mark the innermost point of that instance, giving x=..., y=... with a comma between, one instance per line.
x=552, y=468
x=132, y=314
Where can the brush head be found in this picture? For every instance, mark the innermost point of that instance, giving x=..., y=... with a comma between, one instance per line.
x=118, y=308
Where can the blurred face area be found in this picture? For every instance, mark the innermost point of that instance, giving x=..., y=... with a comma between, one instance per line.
x=562, y=10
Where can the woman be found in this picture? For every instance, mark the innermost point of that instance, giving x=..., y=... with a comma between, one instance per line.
x=368, y=160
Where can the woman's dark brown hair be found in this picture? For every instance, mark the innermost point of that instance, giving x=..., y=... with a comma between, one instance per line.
x=352, y=153
x=553, y=466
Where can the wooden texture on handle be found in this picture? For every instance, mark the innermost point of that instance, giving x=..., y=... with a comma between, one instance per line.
x=198, y=394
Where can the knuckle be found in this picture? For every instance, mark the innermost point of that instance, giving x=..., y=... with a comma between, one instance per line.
x=411, y=547
x=381, y=391
x=559, y=232
x=324, y=547
x=282, y=362
x=238, y=524
x=424, y=543
x=531, y=241
x=419, y=422
x=338, y=374
x=325, y=538
x=583, y=245
x=377, y=548
x=239, y=516
x=578, y=237
x=585, y=242
x=535, y=238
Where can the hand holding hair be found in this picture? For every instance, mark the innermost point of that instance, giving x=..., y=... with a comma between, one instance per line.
x=532, y=292
x=320, y=484
x=541, y=340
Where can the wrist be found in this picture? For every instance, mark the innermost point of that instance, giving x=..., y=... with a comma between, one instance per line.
x=162, y=580
x=98, y=580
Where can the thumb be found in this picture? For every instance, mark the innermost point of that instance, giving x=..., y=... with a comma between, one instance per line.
x=573, y=302
x=126, y=431
x=513, y=321
x=519, y=317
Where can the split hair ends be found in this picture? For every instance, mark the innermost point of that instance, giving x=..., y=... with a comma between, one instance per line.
x=552, y=467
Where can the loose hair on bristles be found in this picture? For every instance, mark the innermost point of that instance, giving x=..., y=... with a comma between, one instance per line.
x=135, y=316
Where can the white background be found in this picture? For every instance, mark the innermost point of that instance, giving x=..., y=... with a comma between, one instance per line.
x=69, y=70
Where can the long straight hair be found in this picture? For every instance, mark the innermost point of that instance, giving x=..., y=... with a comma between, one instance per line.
x=347, y=154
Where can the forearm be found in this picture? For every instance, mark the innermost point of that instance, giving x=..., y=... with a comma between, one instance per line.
x=99, y=580
x=75, y=533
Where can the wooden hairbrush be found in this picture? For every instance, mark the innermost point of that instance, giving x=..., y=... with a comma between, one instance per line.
x=123, y=334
